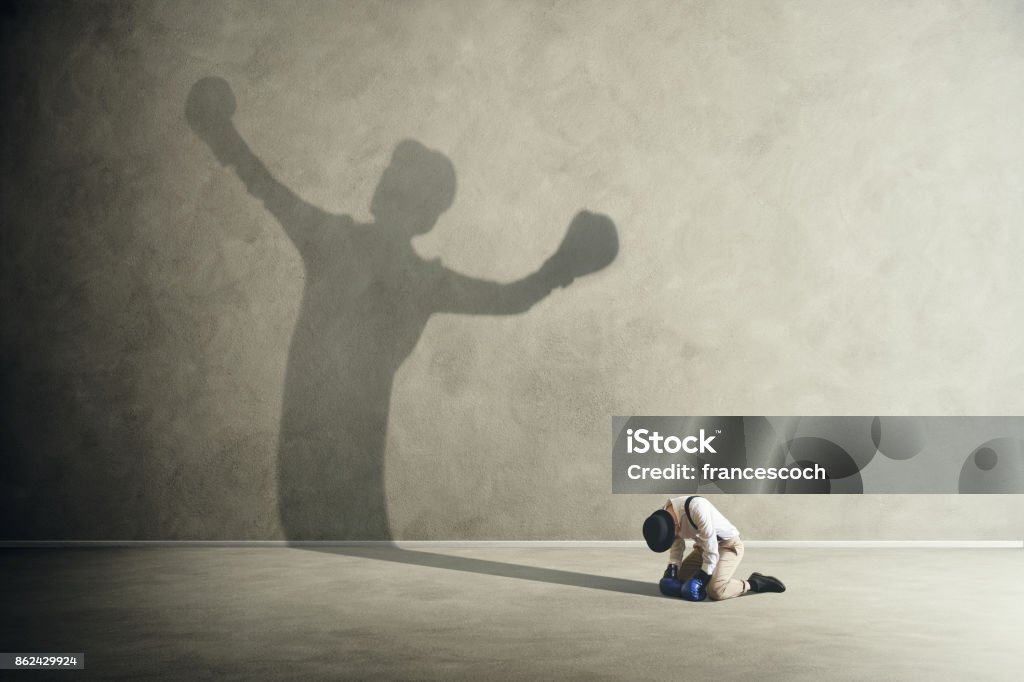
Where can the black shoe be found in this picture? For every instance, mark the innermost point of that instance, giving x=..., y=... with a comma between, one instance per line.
x=765, y=583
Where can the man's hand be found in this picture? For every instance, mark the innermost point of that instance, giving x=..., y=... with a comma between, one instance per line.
x=670, y=585
x=208, y=110
x=696, y=588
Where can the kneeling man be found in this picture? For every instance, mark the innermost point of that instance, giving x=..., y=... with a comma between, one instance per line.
x=717, y=550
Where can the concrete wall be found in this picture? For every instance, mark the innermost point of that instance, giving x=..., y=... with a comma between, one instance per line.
x=818, y=207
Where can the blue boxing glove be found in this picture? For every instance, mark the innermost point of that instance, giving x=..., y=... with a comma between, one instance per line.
x=696, y=588
x=670, y=585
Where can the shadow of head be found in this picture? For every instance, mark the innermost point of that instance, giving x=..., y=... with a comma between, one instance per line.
x=415, y=189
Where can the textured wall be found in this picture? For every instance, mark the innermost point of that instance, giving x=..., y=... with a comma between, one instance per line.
x=818, y=208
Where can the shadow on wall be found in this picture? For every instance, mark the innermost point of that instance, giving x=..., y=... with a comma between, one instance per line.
x=367, y=299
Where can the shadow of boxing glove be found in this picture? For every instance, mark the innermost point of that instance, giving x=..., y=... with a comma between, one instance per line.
x=670, y=585
x=694, y=590
x=208, y=110
x=590, y=244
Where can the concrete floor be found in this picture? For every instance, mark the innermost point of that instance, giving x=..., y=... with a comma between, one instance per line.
x=277, y=613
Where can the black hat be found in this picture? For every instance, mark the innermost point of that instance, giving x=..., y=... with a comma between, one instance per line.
x=660, y=530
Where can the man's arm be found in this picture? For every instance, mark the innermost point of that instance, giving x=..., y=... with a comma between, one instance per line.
x=700, y=509
x=209, y=109
x=678, y=548
x=291, y=211
x=675, y=552
x=469, y=295
x=590, y=244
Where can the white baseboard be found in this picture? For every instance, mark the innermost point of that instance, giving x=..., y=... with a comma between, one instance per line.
x=889, y=544
x=513, y=544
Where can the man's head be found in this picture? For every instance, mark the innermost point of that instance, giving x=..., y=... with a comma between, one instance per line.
x=415, y=189
x=660, y=530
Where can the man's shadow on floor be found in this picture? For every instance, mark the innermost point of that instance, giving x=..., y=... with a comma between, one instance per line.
x=367, y=298
x=501, y=569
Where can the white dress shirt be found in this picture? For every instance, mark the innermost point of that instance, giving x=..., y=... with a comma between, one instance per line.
x=711, y=527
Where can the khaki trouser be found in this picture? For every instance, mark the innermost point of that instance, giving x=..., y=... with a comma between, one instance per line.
x=722, y=585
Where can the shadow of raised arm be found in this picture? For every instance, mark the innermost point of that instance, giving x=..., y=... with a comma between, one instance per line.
x=590, y=244
x=208, y=110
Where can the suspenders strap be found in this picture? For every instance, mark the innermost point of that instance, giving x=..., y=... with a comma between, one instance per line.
x=686, y=508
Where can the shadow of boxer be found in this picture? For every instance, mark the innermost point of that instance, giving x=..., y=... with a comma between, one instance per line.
x=366, y=299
